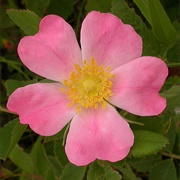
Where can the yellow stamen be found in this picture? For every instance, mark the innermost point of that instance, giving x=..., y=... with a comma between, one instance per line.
x=89, y=86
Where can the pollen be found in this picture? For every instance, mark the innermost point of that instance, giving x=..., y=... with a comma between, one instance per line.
x=89, y=86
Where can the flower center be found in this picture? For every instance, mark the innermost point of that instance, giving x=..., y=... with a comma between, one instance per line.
x=89, y=86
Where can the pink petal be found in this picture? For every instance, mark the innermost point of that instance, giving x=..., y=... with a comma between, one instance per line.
x=136, y=86
x=98, y=134
x=42, y=106
x=110, y=42
x=53, y=51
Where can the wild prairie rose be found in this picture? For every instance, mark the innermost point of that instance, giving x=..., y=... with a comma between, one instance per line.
x=108, y=69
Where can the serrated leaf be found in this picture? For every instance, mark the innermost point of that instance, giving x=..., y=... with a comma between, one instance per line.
x=27, y=20
x=161, y=25
x=147, y=163
x=111, y=174
x=22, y=160
x=41, y=159
x=164, y=170
x=95, y=171
x=38, y=7
x=151, y=45
x=10, y=135
x=57, y=169
x=100, y=5
x=72, y=172
x=60, y=152
x=147, y=143
x=127, y=173
x=102, y=170
x=42, y=162
x=12, y=85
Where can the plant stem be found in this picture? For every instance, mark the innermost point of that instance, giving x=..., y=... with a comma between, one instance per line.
x=5, y=110
x=171, y=155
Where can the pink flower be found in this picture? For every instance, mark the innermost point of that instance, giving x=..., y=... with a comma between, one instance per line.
x=106, y=70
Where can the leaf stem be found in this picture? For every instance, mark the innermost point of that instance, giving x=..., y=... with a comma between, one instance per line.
x=5, y=110
x=134, y=122
x=171, y=155
x=14, y=65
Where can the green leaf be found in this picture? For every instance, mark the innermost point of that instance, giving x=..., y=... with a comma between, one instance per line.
x=127, y=173
x=170, y=135
x=38, y=7
x=12, y=85
x=51, y=175
x=161, y=25
x=147, y=143
x=100, y=5
x=147, y=163
x=40, y=158
x=72, y=172
x=22, y=160
x=102, y=170
x=111, y=174
x=173, y=54
x=10, y=135
x=27, y=20
x=151, y=45
x=173, y=100
x=164, y=170
x=57, y=169
x=143, y=6
x=95, y=171
x=60, y=152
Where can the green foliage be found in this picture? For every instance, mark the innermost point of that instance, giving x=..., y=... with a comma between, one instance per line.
x=12, y=85
x=10, y=135
x=102, y=171
x=39, y=7
x=4, y=19
x=27, y=20
x=155, y=153
x=72, y=172
x=127, y=173
x=147, y=143
x=101, y=5
x=143, y=6
x=150, y=44
x=65, y=8
x=147, y=163
x=22, y=159
x=161, y=25
x=164, y=170
x=60, y=152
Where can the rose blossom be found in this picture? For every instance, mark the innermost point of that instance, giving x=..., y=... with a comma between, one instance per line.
x=106, y=71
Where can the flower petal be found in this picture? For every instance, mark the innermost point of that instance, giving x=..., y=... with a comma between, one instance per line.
x=98, y=134
x=136, y=86
x=53, y=51
x=42, y=106
x=110, y=42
